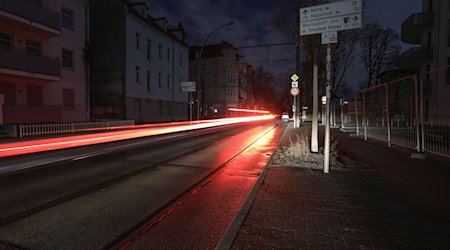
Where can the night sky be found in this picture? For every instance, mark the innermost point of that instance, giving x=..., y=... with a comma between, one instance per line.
x=253, y=24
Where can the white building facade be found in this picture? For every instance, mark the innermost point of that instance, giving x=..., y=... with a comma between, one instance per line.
x=430, y=29
x=42, y=71
x=138, y=65
x=224, y=79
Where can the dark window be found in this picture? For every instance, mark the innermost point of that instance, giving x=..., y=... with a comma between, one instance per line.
x=159, y=50
x=448, y=71
x=138, y=38
x=168, y=81
x=168, y=55
x=448, y=30
x=181, y=60
x=159, y=80
x=149, y=81
x=33, y=47
x=429, y=39
x=430, y=5
x=5, y=40
x=67, y=18
x=137, y=74
x=35, y=95
x=68, y=98
x=149, y=49
x=67, y=59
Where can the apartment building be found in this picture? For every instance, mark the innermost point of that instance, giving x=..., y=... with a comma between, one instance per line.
x=137, y=64
x=42, y=72
x=224, y=79
x=430, y=30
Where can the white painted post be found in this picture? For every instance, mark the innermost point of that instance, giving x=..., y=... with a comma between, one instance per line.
x=326, y=153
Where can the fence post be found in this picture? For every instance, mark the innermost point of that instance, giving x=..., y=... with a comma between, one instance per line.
x=356, y=111
x=422, y=120
x=364, y=116
x=387, y=117
x=416, y=104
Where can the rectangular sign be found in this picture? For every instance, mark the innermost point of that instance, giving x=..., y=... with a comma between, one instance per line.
x=331, y=24
x=329, y=37
x=187, y=86
x=330, y=10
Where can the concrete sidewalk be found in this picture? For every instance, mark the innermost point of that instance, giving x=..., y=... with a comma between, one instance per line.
x=381, y=199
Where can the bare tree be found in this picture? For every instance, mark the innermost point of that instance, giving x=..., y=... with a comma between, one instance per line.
x=381, y=51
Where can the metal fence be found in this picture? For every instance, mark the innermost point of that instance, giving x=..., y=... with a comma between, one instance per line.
x=60, y=128
x=399, y=112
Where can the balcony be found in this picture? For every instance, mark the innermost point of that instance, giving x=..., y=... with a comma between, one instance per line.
x=19, y=63
x=29, y=15
x=415, y=25
x=412, y=59
x=15, y=114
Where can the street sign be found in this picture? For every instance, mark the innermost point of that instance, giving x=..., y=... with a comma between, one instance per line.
x=332, y=24
x=294, y=77
x=187, y=86
x=329, y=37
x=295, y=91
x=294, y=84
x=330, y=10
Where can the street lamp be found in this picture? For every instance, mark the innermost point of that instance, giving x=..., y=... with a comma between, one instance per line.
x=199, y=62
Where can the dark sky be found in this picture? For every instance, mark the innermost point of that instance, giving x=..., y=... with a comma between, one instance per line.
x=253, y=24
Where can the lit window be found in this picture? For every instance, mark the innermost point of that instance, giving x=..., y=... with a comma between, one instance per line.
x=67, y=59
x=67, y=18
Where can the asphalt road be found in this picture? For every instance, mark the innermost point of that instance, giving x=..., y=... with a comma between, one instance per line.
x=108, y=201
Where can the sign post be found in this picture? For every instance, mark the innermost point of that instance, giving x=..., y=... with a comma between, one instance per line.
x=189, y=87
x=327, y=19
x=294, y=92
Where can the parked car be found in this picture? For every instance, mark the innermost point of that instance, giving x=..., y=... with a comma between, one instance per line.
x=285, y=117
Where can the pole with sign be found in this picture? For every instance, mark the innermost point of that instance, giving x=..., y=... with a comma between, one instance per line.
x=294, y=92
x=189, y=87
x=327, y=19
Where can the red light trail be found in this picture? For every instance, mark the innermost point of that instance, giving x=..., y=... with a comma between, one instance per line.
x=249, y=110
x=41, y=145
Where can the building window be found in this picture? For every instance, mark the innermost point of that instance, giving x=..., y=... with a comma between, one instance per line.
x=149, y=81
x=67, y=59
x=159, y=50
x=35, y=95
x=181, y=60
x=160, y=107
x=5, y=40
x=67, y=18
x=168, y=81
x=138, y=38
x=37, y=2
x=33, y=47
x=448, y=30
x=137, y=74
x=448, y=71
x=168, y=55
x=159, y=80
x=149, y=49
x=68, y=98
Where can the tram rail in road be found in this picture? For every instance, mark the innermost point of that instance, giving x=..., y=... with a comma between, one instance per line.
x=106, y=200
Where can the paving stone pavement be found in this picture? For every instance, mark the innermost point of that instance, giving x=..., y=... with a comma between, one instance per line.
x=349, y=208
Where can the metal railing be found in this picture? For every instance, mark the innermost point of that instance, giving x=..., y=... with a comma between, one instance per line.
x=61, y=128
x=401, y=112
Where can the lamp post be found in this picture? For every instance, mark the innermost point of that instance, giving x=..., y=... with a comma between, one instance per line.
x=199, y=63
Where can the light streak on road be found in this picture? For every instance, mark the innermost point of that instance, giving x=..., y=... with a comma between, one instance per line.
x=41, y=145
x=249, y=110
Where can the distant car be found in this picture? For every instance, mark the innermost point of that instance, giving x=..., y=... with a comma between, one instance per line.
x=285, y=117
